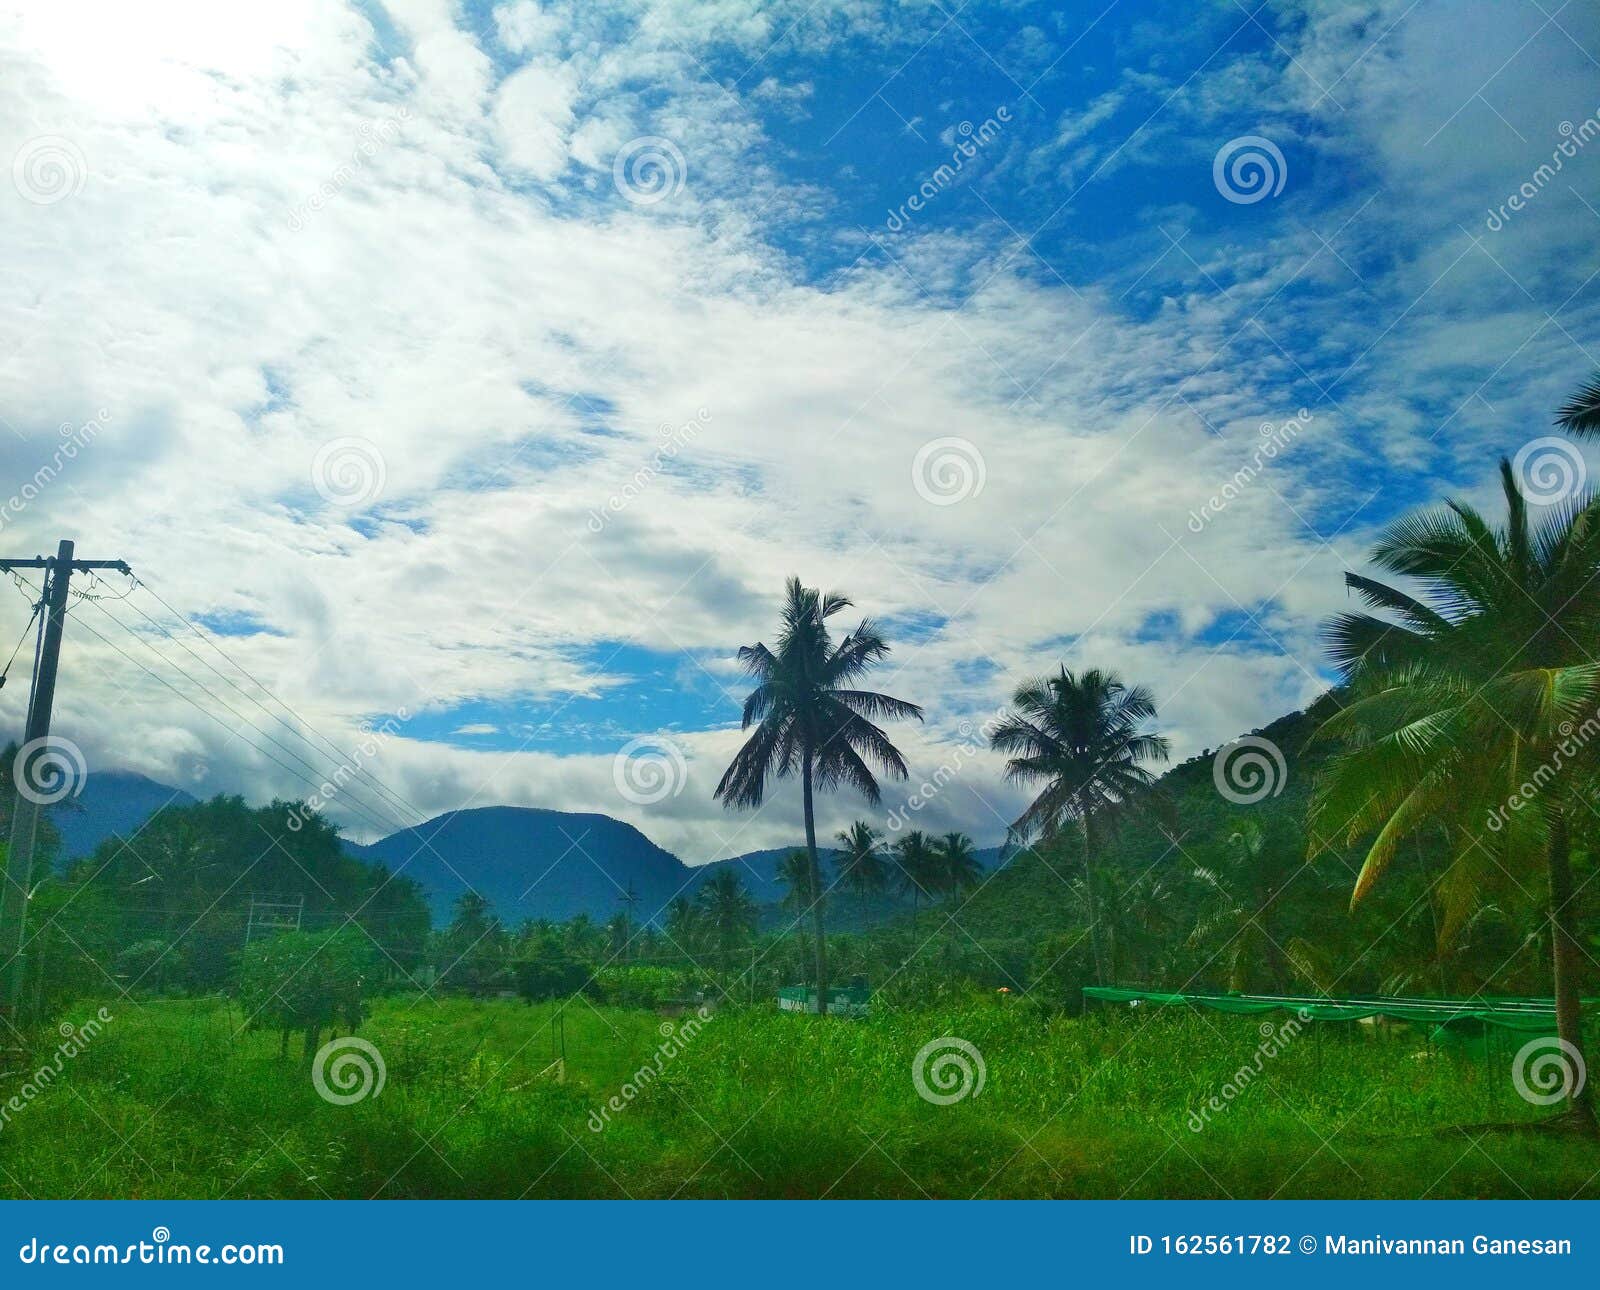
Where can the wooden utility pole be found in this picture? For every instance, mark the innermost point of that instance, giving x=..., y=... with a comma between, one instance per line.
x=629, y=899
x=58, y=571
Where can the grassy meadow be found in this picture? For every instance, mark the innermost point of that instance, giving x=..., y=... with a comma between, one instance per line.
x=169, y=1101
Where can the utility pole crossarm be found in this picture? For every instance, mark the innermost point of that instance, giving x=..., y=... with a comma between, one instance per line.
x=78, y=566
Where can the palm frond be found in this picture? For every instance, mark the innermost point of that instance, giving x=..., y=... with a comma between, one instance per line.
x=1580, y=415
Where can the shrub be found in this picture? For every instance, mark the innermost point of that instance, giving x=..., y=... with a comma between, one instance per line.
x=305, y=982
x=642, y=987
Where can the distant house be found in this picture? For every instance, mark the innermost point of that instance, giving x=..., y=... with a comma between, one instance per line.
x=843, y=1001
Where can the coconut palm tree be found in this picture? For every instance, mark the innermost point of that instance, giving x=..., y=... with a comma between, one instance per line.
x=1238, y=892
x=957, y=864
x=811, y=721
x=916, y=870
x=1580, y=415
x=685, y=924
x=794, y=875
x=729, y=912
x=1083, y=737
x=1474, y=708
x=859, y=862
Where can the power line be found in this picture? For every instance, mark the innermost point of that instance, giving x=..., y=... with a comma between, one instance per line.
x=363, y=809
x=354, y=766
x=31, y=618
x=403, y=802
x=290, y=770
x=372, y=811
x=369, y=812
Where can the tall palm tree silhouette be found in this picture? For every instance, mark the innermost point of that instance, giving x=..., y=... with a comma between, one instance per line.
x=1084, y=736
x=811, y=721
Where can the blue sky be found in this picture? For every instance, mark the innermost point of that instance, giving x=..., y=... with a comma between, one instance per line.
x=485, y=369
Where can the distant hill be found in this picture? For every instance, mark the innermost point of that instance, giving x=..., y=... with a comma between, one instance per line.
x=110, y=801
x=528, y=862
x=533, y=863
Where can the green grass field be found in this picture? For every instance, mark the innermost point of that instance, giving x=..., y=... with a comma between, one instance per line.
x=169, y=1102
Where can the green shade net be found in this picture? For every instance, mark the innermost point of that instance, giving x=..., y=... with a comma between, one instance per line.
x=1533, y=1016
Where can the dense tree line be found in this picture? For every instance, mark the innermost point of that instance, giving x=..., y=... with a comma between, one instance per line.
x=169, y=909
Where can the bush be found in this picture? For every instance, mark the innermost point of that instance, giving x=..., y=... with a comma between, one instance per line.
x=642, y=987
x=555, y=975
x=305, y=982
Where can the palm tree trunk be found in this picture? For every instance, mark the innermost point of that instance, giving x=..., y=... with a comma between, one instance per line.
x=1565, y=954
x=1089, y=898
x=816, y=891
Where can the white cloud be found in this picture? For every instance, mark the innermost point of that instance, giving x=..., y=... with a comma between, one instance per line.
x=532, y=116
x=509, y=335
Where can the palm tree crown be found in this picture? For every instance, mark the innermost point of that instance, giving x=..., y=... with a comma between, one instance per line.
x=916, y=869
x=1083, y=736
x=957, y=864
x=729, y=911
x=808, y=717
x=794, y=875
x=1454, y=699
x=860, y=864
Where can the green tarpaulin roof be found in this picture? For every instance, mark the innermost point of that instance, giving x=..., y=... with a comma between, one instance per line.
x=1514, y=1013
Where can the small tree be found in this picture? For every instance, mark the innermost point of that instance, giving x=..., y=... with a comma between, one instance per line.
x=300, y=981
x=472, y=950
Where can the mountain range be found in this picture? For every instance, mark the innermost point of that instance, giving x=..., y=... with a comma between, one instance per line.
x=528, y=862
